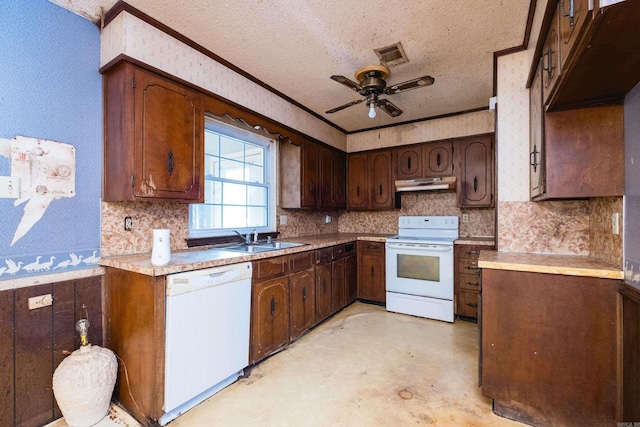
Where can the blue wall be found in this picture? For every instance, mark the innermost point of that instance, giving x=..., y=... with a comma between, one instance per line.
x=50, y=88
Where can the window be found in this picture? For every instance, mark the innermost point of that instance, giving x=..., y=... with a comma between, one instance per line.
x=239, y=185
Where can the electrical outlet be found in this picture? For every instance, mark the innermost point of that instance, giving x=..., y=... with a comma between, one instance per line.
x=465, y=217
x=615, y=223
x=9, y=187
x=128, y=223
x=327, y=219
x=283, y=220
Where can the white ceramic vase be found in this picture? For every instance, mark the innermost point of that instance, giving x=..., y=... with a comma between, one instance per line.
x=83, y=384
x=161, y=252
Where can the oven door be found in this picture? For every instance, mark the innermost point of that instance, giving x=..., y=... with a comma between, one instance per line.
x=421, y=269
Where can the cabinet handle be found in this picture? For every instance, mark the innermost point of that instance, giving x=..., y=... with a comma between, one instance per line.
x=549, y=67
x=470, y=304
x=473, y=268
x=170, y=162
x=324, y=285
x=311, y=186
x=317, y=261
x=304, y=294
x=473, y=283
x=534, y=154
x=570, y=14
x=273, y=306
x=473, y=252
x=438, y=160
x=381, y=189
x=475, y=184
x=409, y=163
x=358, y=191
x=372, y=247
x=372, y=271
x=326, y=189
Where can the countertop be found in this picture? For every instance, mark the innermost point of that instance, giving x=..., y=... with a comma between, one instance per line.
x=478, y=241
x=569, y=265
x=210, y=256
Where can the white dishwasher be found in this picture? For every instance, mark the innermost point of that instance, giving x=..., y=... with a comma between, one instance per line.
x=207, y=334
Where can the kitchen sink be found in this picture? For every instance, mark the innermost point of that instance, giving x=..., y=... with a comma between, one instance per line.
x=261, y=247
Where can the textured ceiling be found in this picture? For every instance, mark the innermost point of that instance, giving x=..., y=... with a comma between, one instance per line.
x=295, y=45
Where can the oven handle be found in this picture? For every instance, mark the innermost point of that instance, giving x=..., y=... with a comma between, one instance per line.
x=421, y=247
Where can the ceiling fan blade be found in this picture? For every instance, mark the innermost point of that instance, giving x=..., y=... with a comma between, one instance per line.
x=342, y=107
x=348, y=83
x=389, y=108
x=408, y=85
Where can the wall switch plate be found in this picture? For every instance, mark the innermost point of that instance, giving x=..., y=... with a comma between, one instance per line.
x=465, y=217
x=615, y=223
x=283, y=220
x=9, y=187
x=327, y=219
x=40, y=301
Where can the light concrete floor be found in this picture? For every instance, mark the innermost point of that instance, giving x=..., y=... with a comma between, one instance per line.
x=363, y=367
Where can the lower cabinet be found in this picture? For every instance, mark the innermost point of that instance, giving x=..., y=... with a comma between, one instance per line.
x=269, y=316
x=549, y=347
x=324, y=292
x=351, y=273
x=467, y=279
x=302, y=291
x=371, y=271
x=338, y=280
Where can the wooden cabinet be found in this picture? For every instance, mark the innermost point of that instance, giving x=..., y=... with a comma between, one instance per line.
x=324, y=292
x=269, y=316
x=596, y=57
x=630, y=347
x=338, y=279
x=536, y=136
x=467, y=279
x=371, y=271
x=153, y=138
x=438, y=159
x=302, y=293
x=370, y=180
x=408, y=162
x=475, y=173
x=581, y=154
x=351, y=272
x=312, y=176
x=549, y=347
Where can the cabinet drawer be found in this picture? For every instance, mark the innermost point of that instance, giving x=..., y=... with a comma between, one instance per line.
x=470, y=252
x=270, y=267
x=323, y=256
x=470, y=282
x=337, y=252
x=300, y=261
x=467, y=304
x=468, y=266
x=371, y=247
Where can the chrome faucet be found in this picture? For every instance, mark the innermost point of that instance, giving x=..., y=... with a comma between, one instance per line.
x=245, y=239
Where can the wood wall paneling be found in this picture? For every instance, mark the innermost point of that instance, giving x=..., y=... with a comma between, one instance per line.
x=6, y=359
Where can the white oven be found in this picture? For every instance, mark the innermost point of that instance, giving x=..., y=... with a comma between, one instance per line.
x=419, y=267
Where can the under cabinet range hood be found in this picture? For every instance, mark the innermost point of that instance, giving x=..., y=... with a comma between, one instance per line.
x=427, y=184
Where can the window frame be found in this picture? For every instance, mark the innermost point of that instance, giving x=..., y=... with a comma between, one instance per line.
x=271, y=177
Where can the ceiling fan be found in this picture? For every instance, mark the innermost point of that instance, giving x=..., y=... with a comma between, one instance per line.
x=372, y=83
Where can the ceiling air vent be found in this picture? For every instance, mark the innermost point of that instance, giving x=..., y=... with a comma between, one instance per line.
x=391, y=55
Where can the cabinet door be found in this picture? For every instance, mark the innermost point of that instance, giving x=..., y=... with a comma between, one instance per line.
x=381, y=180
x=476, y=172
x=340, y=181
x=327, y=172
x=269, y=316
x=310, y=175
x=572, y=16
x=338, y=290
x=168, y=139
x=323, y=292
x=438, y=159
x=371, y=271
x=303, y=302
x=351, y=278
x=408, y=162
x=357, y=181
x=536, y=136
x=551, y=59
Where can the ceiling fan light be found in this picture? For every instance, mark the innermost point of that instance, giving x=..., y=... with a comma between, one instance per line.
x=372, y=111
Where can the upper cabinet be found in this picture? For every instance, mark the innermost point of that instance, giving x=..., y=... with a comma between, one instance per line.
x=588, y=56
x=153, y=138
x=370, y=180
x=408, y=162
x=475, y=173
x=438, y=159
x=311, y=176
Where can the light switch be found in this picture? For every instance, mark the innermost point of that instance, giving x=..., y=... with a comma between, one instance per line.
x=9, y=187
x=283, y=220
x=615, y=223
